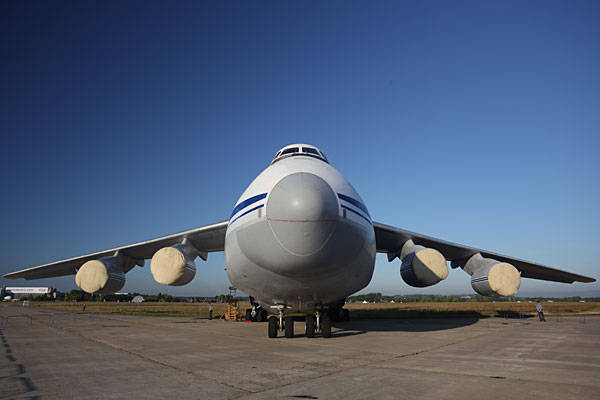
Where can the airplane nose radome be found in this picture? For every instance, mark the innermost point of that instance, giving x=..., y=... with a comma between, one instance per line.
x=302, y=211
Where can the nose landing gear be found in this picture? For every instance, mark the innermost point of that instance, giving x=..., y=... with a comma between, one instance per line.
x=273, y=326
x=325, y=326
x=319, y=322
x=311, y=325
x=289, y=327
x=285, y=324
x=277, y=323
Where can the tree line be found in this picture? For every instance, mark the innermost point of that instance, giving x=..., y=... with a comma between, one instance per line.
x=380, y=298
x=80, y=295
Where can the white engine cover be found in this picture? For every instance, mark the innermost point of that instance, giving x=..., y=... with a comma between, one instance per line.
x=490, y=277
x=104, y=276
x=174, y=265
x=422, y=266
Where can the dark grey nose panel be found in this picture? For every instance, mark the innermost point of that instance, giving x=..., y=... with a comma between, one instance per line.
x=302, y=234
x=302, y=211
x=302, y=197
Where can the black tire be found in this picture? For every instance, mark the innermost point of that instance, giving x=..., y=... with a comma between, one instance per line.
x=288, y=324
x=249, y=314
x=273, y=326
x=311, y=323
x=326, y=326
x=261, y=315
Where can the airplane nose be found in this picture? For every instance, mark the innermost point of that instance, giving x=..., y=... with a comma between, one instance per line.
x=302, y=211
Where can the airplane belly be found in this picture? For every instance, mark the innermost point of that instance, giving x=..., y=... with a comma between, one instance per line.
x=261, y=266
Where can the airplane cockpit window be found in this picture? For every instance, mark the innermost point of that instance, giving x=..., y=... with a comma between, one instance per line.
x=310, y=150
x=289, y=151
x=299, y=150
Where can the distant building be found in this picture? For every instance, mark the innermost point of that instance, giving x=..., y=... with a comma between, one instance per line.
x=20, y=292
x=138, y=299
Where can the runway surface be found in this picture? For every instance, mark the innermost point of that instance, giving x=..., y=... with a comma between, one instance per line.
x=78, y=355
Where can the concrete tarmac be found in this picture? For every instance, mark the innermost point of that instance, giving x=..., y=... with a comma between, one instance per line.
x=66, y=355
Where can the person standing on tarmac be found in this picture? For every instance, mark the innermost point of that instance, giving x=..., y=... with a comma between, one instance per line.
x=538, y=307
x=210, y=310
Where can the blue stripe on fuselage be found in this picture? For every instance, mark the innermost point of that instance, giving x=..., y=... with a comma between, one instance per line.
x=241, y=215
x=247, y=202
x=354, y=202
x=356, y=212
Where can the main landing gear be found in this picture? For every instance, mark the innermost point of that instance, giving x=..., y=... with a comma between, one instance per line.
x=324, y=324
x=273, y=326
x=277, y=324
x=319, y=322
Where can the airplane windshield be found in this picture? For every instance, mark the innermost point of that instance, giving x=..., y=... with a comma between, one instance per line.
x=289, y=151
x=310, y=150
x=299, y=150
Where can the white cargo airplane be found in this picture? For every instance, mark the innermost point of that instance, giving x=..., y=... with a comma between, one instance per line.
x=300, y=240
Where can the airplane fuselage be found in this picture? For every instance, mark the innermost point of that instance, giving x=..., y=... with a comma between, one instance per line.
x=300, y=237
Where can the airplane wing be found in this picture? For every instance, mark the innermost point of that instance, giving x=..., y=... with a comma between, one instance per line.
x=207, y=238
x=390, y=240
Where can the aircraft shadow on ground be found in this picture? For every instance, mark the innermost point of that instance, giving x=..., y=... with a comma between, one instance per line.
x=416, y=321
x=360, y=326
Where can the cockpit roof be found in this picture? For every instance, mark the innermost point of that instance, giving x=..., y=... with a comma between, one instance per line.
x=299, y=149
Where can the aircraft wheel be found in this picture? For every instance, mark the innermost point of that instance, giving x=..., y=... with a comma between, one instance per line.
x=261, y=315
x=249, y=314
x=289, y=327
x=310, y=326
x=273, y=322
x=326, y=326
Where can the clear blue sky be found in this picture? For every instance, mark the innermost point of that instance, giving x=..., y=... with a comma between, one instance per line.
x=476, y=122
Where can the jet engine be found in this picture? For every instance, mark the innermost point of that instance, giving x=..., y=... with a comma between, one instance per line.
x=105, y=275
x=175, y=265
x=490, y=277
x=422, y=266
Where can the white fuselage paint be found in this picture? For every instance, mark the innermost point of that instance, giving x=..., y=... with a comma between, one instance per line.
x=292, y=249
